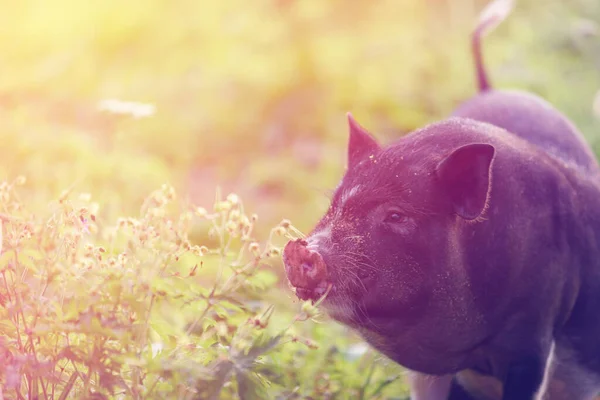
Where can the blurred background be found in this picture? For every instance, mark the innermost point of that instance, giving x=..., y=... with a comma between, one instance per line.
x=252, y=96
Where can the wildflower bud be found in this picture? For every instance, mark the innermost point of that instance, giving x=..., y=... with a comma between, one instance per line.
x=168, y=191
x=63, y=196
x=171, y=193
x=275, y=251
x=280, y=230
x=159, y=200
x=244, y=221
x=254, y=247
x=285, y=223
x=201, y=212
x=309, y=309
x=260, y=324
x=231, y=227
x=254, y=218
x=203, y=250
x=233, y=199
x=234, y=215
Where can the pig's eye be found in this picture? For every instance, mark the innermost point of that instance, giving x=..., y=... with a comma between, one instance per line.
x=394, y=217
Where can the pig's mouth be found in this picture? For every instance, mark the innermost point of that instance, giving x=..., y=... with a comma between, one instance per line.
x=310, y=293
x=306, y=270
x=308, y=274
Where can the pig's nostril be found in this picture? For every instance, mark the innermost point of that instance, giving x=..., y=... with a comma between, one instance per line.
x=307, y=266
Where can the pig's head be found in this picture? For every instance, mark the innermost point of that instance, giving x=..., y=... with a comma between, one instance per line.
x=384, y=244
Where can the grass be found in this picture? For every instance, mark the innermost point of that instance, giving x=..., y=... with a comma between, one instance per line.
x=115, y=282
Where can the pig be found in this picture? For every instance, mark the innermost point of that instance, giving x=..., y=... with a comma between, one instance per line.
x=467, y=251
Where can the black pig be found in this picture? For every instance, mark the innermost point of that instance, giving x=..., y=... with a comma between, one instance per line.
x=468, y=251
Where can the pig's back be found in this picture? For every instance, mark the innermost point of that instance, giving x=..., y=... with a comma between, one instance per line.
x=533, y=119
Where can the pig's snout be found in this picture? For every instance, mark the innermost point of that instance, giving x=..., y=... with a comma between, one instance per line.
x=305, y=269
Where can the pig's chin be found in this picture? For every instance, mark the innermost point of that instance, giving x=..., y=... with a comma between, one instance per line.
x=341, y=307
x=352, y=310
x=313, y=294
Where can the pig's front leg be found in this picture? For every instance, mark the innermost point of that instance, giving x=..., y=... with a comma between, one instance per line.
x=524, y=378
x=429, y=387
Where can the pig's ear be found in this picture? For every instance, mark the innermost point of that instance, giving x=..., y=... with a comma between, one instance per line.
x=465, y=178
x=361, y=144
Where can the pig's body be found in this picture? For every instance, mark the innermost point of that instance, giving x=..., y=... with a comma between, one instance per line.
x=540, y=124
x=469, y=251
x=471, y=294
x=526, y=275
x=533, y=119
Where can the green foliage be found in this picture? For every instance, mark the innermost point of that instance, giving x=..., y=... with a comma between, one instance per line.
x=97, y=310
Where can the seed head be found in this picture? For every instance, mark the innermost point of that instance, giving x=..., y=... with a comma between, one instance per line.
x=254, y=247
x=233, y=199
x=309, y=309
